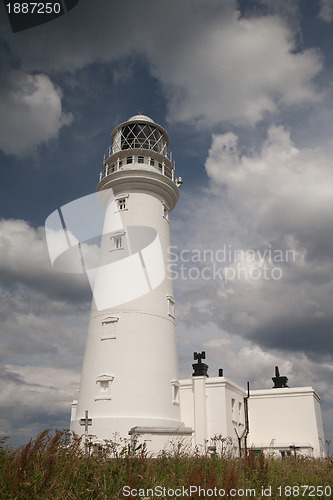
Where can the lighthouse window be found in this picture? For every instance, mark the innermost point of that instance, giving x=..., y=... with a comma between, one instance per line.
x=141, y=159
x=103, y=384
x=122, y=201
x=117, y=242
x=152, y=162
x=165, y=212
x=109, y=328
x=129, y=159
x=171, y=306
x=122, y=204
x=160, y=167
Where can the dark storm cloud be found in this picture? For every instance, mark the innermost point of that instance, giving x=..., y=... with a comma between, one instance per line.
x=43, y=313
x=310, y=335
x=224, y=50
x=276, y=199
x=25, y=263
x=37, y=417
x=15, y=378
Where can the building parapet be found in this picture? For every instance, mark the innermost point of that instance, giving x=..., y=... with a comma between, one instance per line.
x=284, y=392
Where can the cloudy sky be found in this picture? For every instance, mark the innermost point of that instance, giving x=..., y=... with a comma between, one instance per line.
x=244, y=89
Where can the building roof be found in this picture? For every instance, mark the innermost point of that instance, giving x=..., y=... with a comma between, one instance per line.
x=142, y=118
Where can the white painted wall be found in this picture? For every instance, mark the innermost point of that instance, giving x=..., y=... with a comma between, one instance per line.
x=280, y=418
x=130, y=366
x=206, y=404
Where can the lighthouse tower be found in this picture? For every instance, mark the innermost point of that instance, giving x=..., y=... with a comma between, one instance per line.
x=129, y=384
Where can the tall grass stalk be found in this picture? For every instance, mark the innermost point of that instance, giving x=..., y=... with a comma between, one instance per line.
x=54, y=466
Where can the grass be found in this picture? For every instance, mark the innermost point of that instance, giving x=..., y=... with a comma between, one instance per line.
x=54, y=467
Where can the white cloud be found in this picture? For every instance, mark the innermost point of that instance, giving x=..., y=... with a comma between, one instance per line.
x=213, y=65
x=282, y=190
x=236, y=71
x=24, y=261
x=326, y=10
x=42, y=312
x=31, y=112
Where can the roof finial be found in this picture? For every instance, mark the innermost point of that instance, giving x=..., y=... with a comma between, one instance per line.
x=200, y=368
x=279, y=381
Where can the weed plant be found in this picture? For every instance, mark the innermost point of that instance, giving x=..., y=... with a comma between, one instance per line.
x=55, y=467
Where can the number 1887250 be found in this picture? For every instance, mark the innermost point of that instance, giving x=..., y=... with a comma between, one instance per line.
x=305, y=491
x=33, y=8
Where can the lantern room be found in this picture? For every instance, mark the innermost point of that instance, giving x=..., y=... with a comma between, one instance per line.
x=140, y=132
x=139, y=143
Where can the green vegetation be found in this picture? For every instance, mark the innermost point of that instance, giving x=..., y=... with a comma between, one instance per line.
x=52, y=467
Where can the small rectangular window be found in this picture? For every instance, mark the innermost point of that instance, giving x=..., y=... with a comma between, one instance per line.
x=109, y=331
x=165, y=212
x=141, y=159
x=152, y=162
x=122, y=204
x=171, y=306
x=160, y=167
x=129, y=159
x=103, y=387
x=117, y=242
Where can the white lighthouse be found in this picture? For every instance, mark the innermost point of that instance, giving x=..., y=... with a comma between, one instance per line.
x=129, y=383
x=129, y=387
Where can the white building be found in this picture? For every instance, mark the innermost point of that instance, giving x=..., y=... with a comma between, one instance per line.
x=129, y=386
x=279, y=421
x=286, y=421
x=129, y=381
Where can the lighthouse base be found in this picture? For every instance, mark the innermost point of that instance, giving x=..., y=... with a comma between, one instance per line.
x=130, y=432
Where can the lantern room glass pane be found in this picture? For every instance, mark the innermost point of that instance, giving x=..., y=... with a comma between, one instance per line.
x=139, y=135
